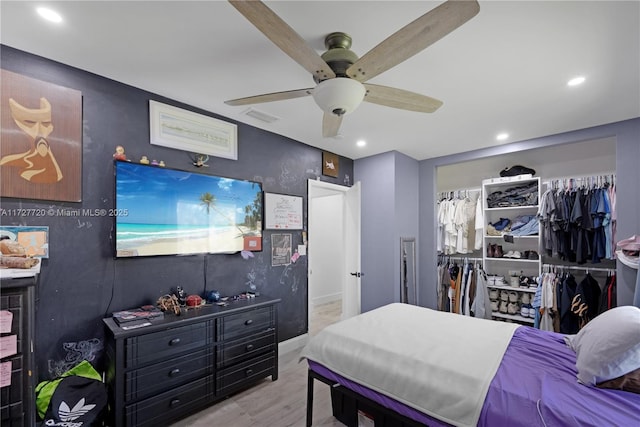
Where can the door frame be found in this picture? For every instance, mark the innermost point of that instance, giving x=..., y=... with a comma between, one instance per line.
x=316, y=189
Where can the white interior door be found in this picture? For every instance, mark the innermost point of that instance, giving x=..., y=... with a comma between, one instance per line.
x=347, y=219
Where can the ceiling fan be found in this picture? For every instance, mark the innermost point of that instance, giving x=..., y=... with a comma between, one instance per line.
x=340, y=75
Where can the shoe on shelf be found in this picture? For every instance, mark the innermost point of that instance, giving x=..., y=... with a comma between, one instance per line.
x=532, y=312
x=498, y=253
x=513, y=254
x=503, y=307
x=524, y=310
x=533, y=255
x=516, y=170
x=513, y=308
x=490, y=250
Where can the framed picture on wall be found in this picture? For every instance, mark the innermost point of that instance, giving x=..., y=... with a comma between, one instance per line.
x=33, y=239
x=330, y=164
x=185, y=130
x=41, y=143
x=280, y=249
x=282, y=212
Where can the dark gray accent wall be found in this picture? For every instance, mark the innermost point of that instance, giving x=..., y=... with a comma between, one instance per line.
x=81, y=282
x=627, y=135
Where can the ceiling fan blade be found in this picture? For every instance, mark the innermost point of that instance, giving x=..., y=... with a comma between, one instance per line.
x=331, y=125
x=399, y=98
x=413, y=38
x=269, y=97
x=285, y=37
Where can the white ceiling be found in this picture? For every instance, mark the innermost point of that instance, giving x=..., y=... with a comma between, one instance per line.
x=503, y=71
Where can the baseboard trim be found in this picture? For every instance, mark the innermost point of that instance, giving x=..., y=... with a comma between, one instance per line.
x=293, y=344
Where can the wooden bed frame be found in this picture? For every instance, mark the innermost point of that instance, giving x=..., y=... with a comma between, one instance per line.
x=346, y=404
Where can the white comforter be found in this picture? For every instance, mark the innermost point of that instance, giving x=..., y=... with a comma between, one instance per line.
x=439, y=363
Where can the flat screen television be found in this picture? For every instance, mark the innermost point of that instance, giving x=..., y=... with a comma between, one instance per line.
x=163, y=211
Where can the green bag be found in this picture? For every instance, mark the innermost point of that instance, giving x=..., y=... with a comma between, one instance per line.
x=46, y=389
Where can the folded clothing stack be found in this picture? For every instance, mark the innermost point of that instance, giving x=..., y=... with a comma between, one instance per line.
x=519, y=195
x=499, y=227
x=522, y=225
x=525, y=225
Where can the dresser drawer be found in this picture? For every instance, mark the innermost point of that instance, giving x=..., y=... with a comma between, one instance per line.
x=153, y=379
x=163, y=345
x=11, y=397
x=230, y=352
x=160, y=410
x=243, y=374
x=250, y=321
x=12, y=394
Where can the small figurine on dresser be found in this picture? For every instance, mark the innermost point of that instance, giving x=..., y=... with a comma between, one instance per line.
x=181, y=294
x=119, y=154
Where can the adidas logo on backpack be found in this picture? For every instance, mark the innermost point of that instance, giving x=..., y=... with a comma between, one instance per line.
x=67, y=415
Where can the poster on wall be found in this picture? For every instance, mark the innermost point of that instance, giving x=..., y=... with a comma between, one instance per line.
x=41, y=141
x=280, y=249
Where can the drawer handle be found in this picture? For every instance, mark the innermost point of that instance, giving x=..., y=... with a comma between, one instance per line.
x=174, y=372
x=248, y=372
x=175, y=402
x=249, y=347
x=174, y=341
x=248, y=322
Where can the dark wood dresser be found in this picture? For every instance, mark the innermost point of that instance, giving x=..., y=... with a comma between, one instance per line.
x=17, y=400
x=181, y=364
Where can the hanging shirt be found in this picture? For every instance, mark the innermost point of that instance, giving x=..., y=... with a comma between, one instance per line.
x=547, y=302
x=479, y=225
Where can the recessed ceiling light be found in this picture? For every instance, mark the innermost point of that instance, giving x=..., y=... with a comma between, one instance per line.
x=361, y=143
x=576, y=81
x=502, y=136
x=49, y=14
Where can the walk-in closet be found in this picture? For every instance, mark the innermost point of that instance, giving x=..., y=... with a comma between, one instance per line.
x=524, y=246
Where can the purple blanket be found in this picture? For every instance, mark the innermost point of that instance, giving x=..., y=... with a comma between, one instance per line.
x=536, y=381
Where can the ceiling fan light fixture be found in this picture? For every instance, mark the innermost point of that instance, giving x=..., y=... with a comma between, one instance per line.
x=339, y=96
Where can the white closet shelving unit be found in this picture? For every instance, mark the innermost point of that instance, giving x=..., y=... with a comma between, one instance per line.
x=504, y=267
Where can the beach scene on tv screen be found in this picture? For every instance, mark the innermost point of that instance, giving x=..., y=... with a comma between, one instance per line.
x=171, y=212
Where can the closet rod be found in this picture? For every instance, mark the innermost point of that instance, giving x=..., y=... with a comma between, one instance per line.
x=461, y=258
x=605, y=175
x=573, y=267
x=460, y=189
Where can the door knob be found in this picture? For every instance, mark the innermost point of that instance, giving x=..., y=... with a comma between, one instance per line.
x=357, y=274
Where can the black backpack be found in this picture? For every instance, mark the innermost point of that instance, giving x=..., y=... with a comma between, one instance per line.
x=73, y=400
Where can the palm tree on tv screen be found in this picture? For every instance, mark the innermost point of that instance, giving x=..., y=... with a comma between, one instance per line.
x=209, y=201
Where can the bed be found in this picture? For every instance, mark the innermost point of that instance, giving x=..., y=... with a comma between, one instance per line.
x=413, y=366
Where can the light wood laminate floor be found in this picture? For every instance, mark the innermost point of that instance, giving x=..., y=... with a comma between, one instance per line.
x=280, y=403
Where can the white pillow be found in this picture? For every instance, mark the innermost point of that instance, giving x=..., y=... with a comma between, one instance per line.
x=608, y=346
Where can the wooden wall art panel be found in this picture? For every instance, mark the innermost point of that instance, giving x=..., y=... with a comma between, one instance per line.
x=41, y=140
